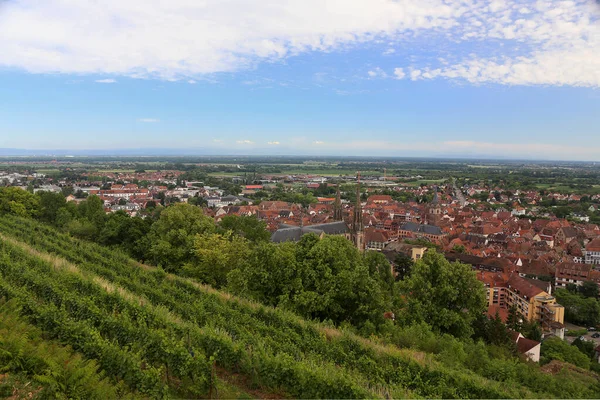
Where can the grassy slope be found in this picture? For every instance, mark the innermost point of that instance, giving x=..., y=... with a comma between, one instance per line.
x=369, y=364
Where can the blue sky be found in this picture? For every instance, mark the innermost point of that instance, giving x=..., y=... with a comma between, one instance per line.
x=508, y=79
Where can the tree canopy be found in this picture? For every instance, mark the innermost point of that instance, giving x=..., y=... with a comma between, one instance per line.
x=557, y=349
x=16, y=201
x=172, y=237
x=445, y=295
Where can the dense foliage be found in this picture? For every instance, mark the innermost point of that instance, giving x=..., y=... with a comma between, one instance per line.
x=56, y=371
x=579, y=309
x=446, y=295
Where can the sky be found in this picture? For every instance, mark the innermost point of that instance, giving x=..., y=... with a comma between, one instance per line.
x=484, y=78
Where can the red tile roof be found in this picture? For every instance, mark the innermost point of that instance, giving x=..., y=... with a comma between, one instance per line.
x=594, y=245
x=524, y=345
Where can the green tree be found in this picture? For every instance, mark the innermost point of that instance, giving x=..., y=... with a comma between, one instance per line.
x=531, y=330
x=578, y=309
x=557, y=349
x=198, y=201
x=335, y=284
x=459, y=248
x=402, y=266
x=216, y=255
x=571, y=287
x=249, y=227
x=126, y=232
x=380, y=269
x=514, y=320
x=446, y=295
x=325, y=279
x=67, y=191
x=269, y=275
x=497, y=332
x=172, y=237
x=50, y=204
x=589, y=289
x=587, y=347
x=16, y=201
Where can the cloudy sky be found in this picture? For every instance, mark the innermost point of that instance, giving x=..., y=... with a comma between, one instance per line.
x=499, y=78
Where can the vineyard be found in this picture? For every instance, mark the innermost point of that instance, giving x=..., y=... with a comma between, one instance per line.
x=146, y=333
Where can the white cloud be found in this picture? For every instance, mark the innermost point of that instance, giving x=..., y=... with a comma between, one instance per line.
x=217, y=140
x=183, y=38
x=377, y=73
x=574, y=67
x=149, y=120
x=549, y=42
x=192, y=82
x=244, y=142
x=389, y=51
x=399, y=73
x=273, y=143
x=415, y=74
x=318, y=142
x=105, y=81
x=561, y=41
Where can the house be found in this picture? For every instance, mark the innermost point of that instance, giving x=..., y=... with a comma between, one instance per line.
x=535, y=268
x=414, y=230
x=574, y=273
x=325, y=200
x=591, y=254
x=380, y=199
x=565, y=235
x=529, y=348
x=376, y=239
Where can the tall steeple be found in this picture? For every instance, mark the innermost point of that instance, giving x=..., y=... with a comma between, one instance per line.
x=358, y=234
x=337, y=206
x=434, y=210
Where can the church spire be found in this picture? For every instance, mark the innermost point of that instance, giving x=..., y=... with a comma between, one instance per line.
x=357, y=221
x=337, y=206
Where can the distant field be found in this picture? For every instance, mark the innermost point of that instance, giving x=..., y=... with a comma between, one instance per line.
x=120, y=171
x=330, y=172
x=425, y=181
x=322, y=172
x=565, y=188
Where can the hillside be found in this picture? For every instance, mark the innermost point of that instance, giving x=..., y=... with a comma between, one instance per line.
x=159, y=335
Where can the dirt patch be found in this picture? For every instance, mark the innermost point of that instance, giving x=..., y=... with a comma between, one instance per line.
x=244, y=383
x=554, y=367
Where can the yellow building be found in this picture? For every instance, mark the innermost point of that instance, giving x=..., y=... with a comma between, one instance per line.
x=532, y=302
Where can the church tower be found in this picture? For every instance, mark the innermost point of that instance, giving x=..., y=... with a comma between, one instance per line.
x=358, y=234
x=337, y=206
x=434, y=211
